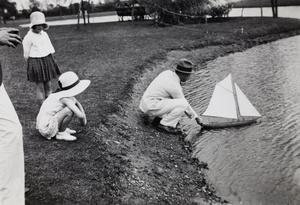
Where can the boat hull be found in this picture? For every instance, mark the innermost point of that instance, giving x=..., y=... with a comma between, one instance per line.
x=217, y=122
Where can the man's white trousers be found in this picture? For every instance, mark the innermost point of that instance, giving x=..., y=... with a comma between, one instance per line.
x=11, y=154
x=170, y=110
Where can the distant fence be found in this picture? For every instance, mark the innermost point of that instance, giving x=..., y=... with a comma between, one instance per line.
x=138, y=13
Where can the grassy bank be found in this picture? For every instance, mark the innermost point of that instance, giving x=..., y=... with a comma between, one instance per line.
x=118, y=157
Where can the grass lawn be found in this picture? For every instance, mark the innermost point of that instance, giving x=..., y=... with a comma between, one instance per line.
x=118, y=159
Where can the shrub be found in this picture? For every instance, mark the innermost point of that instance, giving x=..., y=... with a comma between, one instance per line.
x=174, y=11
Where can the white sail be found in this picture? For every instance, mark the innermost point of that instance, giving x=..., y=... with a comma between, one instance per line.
x=222, y=102
x=245, y=106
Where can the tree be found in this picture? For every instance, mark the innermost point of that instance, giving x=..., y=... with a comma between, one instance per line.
x=176, y=11
x=34, y=5
x=219, y=9
x=274, y=5
x=7, y=9
x=85, y=8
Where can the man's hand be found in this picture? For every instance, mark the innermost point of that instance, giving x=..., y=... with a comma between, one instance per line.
x=199, y=121
x=9, y=37
x=188, y=114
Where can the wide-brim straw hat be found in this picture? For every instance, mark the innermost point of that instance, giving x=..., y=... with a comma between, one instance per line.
x=184, y=66
x=70, y=85
x=38, y=18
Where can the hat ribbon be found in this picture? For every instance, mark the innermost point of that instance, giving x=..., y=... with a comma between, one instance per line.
x=184, y=69
x=68, y=87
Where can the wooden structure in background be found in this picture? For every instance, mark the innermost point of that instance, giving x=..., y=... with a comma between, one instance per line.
x=136, y=12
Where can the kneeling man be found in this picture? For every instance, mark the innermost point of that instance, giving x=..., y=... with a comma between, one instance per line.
x=164, y=98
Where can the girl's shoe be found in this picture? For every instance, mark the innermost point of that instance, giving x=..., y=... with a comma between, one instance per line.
x=68, y=130
x=65, y=136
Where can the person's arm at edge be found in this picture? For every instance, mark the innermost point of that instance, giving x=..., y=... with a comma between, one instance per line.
x=9, y=37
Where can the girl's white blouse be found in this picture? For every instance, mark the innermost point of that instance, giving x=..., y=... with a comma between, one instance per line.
x=37, y=45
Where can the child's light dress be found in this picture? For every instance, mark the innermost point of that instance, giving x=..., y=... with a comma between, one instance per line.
x=47, y=119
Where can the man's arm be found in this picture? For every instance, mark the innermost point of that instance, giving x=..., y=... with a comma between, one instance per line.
x=175, y=90
x=199, y=121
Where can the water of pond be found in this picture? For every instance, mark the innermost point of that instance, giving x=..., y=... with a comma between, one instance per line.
x=283, y=11
x=260, y=163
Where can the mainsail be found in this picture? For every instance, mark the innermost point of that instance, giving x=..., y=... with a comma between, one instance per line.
x=229, y=106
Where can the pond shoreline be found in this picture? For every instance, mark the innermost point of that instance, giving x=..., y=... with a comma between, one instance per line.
x=199, y=191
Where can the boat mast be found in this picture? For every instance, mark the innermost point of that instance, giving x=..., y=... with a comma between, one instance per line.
x=236, y=100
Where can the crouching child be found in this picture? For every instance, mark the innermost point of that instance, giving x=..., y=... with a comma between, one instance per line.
x=58, y=110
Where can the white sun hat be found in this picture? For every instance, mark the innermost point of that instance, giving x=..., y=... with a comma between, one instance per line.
x=70, y=85
x=38, y=18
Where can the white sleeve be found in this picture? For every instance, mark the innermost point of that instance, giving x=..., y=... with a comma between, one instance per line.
x=192, y=112
x=26, y=46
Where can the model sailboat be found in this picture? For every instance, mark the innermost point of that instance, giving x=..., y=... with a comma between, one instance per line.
x=228, y=107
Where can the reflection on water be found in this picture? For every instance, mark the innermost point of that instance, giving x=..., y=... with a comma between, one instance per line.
x=283, y=11
x=260, y=163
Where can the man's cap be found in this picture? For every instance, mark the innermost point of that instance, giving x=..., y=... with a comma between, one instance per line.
x=184, y=66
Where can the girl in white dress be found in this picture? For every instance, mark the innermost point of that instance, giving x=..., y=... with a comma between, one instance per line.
x=38, y=50
x=58, y=110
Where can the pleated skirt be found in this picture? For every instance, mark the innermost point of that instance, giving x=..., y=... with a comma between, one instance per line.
x=42, y=69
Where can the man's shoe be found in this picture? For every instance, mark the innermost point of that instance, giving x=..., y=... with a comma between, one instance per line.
x=156, y=121
x=65, y=136
x=168, y=129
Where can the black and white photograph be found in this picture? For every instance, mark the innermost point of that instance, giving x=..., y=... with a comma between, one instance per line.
x=149, y=102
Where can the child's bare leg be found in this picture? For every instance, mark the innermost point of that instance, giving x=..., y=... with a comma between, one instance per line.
x=64, y=118
x=40, y=92
x=47, y=88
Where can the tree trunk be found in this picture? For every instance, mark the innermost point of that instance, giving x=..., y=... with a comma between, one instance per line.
x=132, y=13
x=83, y=12
x=261, y=11
x=88, y=11
x=274, y=5
x=83, y=16
x=276, y=8
x=78, y=18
